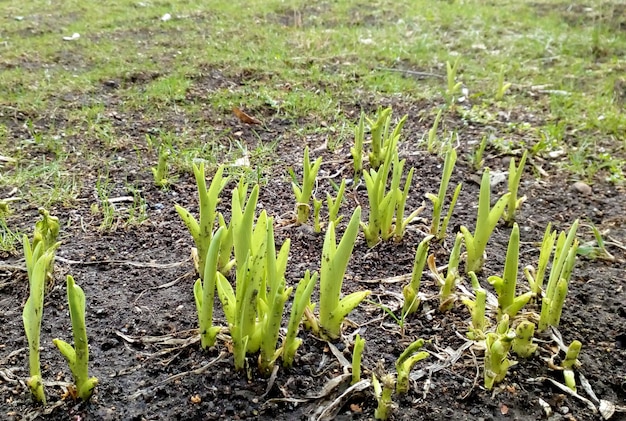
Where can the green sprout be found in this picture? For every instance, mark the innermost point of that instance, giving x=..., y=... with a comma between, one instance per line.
x=335, y=204
x=77, y=356
x=160, y=173
x=477, y=309
x=523, y=344
x=485, y=224
x=432, y=134
x=502, y=86
x=332, y=309
x=272, y=304
x=595, y=249
x=204, y=292
x=357, y=352
x=357, y=150
x=383, y=395
x=571, y=361
x=405, y=363
x=438, y=228
x=317, y=206
x=558, y=281
x=384, y=205
x=33, y=312
x=39, y=257
x=535, y=278
x=453, y=86
x=508, y=303
x=202, y=231
x=476, y=157
x=410, y=291
x=300, y=303
x=497, y=345
x=447, y=283
x=383, y=143
x=515, y=176
x=303, y=194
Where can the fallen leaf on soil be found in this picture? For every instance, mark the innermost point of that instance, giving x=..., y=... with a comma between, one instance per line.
x=196, y=399
x=504, y=409
x=355, y=408
x=245, y=117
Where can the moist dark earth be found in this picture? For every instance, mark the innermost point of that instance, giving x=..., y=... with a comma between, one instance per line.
x=138, y=280
x=141, y=316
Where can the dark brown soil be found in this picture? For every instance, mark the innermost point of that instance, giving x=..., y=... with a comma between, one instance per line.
x=141, y=316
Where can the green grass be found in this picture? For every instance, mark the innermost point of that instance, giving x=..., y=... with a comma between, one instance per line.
x=311, y=64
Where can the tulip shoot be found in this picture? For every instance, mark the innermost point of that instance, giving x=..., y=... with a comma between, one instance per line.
x=77, y=356
x=508, y=303
x=535, y=278
x=485, y=224
x=332, y=309
x=523, y=344
x=438, y=227
x=335, y=204
x=202, y=231
x=571, y=361
x=410, y=291
x=204, y=292
x=447, y=283
x=357, y=352
x=383, y=143
x=303, y=194
x=357, y=150
x=300, y=303
x=558, y=281
x=515, y=176
x=405, y=363
x=477, y=309
x=497, y=349
x=33, y=314
x=383, y=395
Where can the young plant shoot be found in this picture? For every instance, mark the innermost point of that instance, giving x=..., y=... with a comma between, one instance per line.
x=383, y=395
x=204, y=292
x=431, y=144
x=335, y=259
x=335, y=204
x=317, y=207
x=303, y=194
x=502, y=86
x=357, y=353
x=33, y=314
x=410, y=291
x=571, y=361
x=508, y=303
x=523, y=344
x=385, y=204
x=405, y=363
x=447, y=284
x=515, y=176
x=160, y=172
x=438, y=228
x=382, y=142
x=77, y=356
x=453, y=86
x=357, y=150
x=558, y=281
x=477, y=310
x=202, y=231
x=497, y=345
x=535, y=278
x=485, y=224
x=300, y=303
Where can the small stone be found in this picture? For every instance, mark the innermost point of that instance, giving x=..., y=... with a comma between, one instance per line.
x=582, y=188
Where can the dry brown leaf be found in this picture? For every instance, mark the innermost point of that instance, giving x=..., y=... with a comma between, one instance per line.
x=245, y=117
x=355, y=408
x=195, y=399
